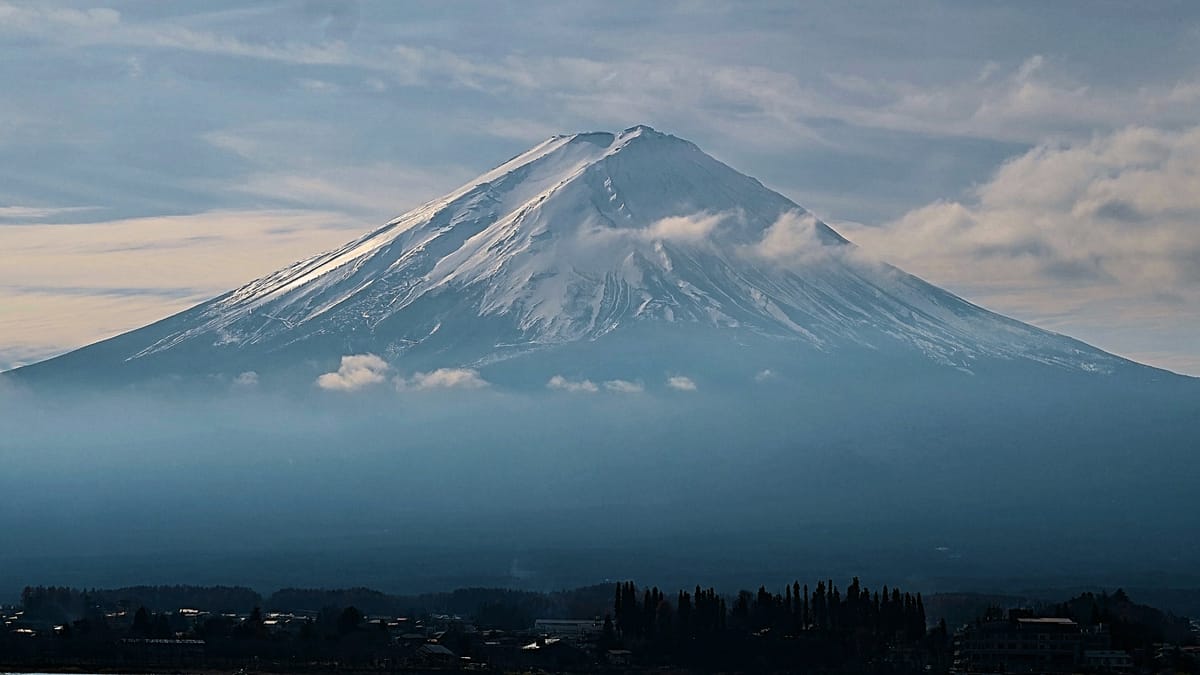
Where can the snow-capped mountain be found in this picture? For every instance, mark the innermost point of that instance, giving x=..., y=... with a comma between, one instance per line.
x=579, y=239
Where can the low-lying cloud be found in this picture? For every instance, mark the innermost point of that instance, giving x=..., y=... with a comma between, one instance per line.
x=443, y=378
x=560, y=383
x=356, y=371
x=585, y=386
x=248, y=378
x=681, y=383
x=624, y=387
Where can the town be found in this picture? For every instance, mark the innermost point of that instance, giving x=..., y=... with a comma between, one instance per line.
x=604, y=628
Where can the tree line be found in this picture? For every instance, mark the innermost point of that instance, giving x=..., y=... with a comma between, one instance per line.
x=822, y=625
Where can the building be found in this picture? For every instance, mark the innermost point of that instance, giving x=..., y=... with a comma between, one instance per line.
x=576, y=629
x=1019, y=645
x=432, y=654
x=619, y=657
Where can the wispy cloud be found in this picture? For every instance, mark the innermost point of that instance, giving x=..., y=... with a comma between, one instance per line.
x=105, y=26
x=25, y=213
x=57, y=281
x=303, y=176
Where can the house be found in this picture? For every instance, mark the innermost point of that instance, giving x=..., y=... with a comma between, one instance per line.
x=552, y=654
x=435, y=655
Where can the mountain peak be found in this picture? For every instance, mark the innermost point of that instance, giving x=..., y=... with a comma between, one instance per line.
x=625, y=135
x=642, y=128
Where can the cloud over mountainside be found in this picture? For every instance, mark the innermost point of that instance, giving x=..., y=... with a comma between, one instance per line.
x=1107, y=223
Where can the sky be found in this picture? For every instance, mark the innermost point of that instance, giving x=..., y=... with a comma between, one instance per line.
x=1039, y=159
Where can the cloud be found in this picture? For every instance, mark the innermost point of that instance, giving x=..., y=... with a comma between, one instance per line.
x=681, y=383
x=106, y=27
x=56, y=283
x=305, y=176
x=39, y=18
x=19, y=213
x=1034, y=99
x=770, y=103
x=685, y=229
x=357, y=371
x=518, y=129
x=1077, y=233
x=247, y=379
x=764, y=375
x=560, y=383
x=318, y=86
x=443, y=378
x=792, y=235
x=624, y=387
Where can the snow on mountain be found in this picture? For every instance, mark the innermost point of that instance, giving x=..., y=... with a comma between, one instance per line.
x=578, y=238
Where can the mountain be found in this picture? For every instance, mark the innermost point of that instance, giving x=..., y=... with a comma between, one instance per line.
x=691, y=375
x=596, y=245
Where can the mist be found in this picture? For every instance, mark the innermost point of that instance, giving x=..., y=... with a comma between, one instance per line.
x=947, y=481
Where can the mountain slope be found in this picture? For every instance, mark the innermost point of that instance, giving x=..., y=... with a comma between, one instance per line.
x=579, y=239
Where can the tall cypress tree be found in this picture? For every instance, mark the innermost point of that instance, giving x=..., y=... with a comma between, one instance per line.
x=805, y=611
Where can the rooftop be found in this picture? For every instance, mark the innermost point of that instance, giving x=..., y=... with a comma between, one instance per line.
x=1049, y=620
